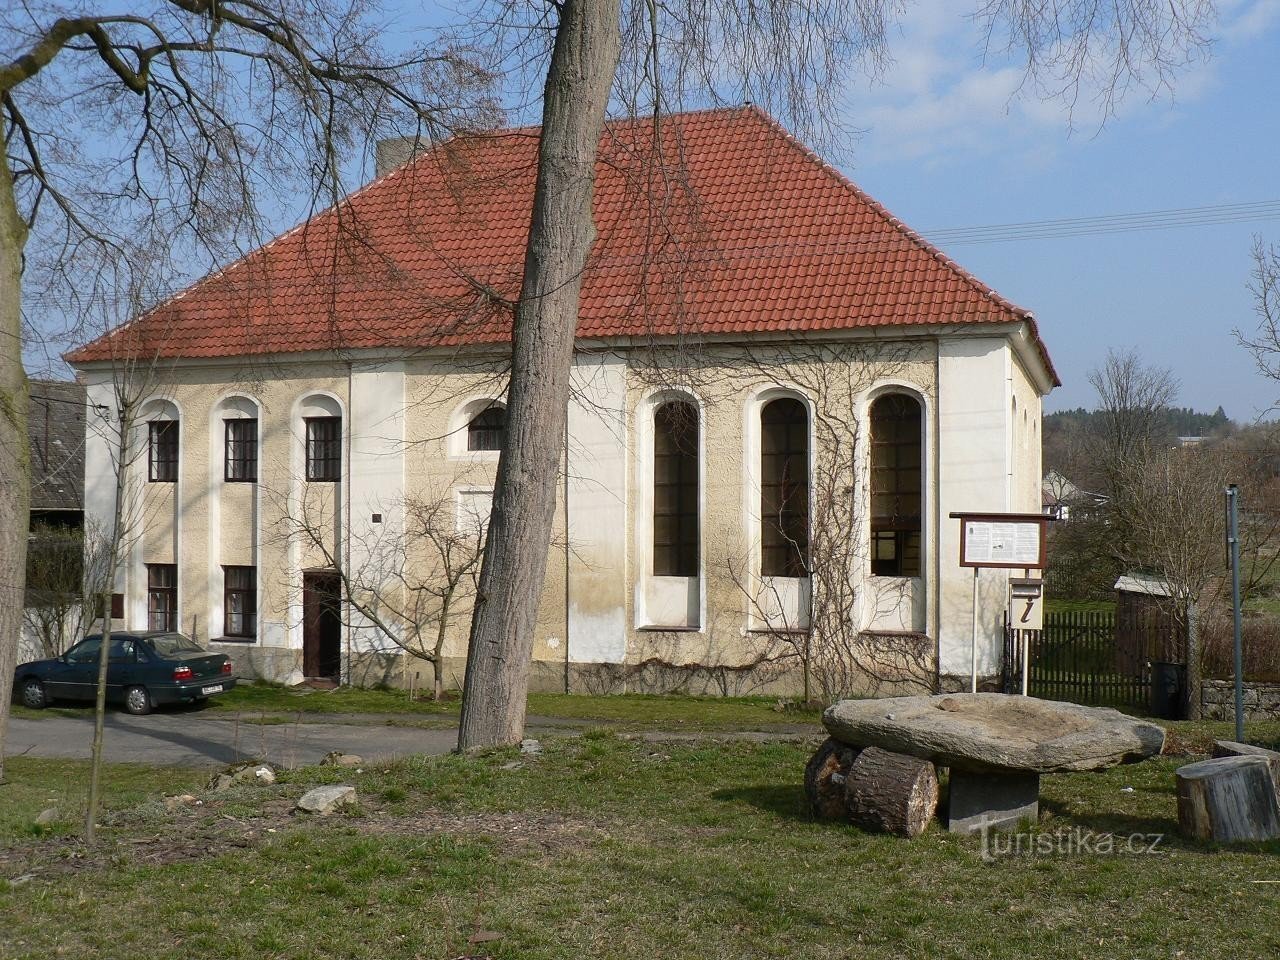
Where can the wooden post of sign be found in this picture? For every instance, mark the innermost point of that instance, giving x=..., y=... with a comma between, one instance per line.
x=973, y=643
x=1026, y=649
x=1005, y=541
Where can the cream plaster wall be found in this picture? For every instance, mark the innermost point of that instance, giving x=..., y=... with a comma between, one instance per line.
x=404, y=436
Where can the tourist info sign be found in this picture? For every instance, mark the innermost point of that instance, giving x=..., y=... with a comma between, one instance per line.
x=1008, y=540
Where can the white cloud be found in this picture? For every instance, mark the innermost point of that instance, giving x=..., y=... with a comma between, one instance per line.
x=941, y=95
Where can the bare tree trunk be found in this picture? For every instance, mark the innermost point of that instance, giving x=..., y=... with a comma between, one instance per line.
x=99, y=721
x=15, y=464
x=579, y=79
x=115, y=535
x=437, y=662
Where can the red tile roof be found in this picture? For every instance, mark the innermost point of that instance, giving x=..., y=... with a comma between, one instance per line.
x=734, y=228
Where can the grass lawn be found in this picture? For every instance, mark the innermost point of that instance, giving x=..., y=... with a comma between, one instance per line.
x=604, y=847
x=625, y=710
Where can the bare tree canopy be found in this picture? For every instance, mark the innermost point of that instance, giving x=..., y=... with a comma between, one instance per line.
x=1264, y=285
x=787, y=55
x=176, y=126
x=1132, y=398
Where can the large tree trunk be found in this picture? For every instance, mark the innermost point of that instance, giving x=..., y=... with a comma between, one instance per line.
x=15, y=464
x=579, y=80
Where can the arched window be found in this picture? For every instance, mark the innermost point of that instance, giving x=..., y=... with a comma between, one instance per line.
x=487, y=428
x=784, y=489
x=896, y=490
x=675, y=490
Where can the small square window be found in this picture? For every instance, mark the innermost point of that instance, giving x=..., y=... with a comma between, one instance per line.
x=241, y=451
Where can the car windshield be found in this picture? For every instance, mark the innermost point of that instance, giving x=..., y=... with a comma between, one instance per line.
x=172, y=644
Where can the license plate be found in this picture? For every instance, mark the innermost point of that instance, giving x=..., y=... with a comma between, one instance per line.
x=216, y=688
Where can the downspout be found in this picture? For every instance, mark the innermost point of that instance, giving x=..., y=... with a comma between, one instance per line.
x=935, y=484
x=346, y=524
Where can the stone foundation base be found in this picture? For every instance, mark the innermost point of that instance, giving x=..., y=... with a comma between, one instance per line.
x=284, y=665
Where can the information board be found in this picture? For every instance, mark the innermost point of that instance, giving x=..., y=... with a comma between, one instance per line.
x=1011, y=540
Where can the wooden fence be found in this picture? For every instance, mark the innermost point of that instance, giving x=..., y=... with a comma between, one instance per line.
x=1076, y=657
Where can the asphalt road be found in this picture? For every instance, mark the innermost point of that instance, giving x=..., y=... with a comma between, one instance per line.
x=189, y=739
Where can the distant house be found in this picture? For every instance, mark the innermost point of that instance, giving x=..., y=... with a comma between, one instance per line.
x=766, y=360
x=56, y=444
x=55, y=427
x=1059, y=498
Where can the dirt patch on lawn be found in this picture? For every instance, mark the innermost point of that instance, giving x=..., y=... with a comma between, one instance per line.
x=154, y=836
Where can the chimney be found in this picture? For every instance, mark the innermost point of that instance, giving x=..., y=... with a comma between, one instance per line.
x=396, y=151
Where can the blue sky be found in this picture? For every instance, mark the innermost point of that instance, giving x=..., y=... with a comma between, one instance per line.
x=944, y=145
x=947, y=142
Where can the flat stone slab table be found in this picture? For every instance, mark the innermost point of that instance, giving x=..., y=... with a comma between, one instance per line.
x=996, y=745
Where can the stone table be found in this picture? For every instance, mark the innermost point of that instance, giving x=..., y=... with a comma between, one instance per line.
x=996, y=745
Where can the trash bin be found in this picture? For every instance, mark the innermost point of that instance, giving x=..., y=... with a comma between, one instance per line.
x=1167, y=684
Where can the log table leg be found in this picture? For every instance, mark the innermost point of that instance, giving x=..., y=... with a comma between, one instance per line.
x=824, y=778
x=992, y=800
x=891, y=792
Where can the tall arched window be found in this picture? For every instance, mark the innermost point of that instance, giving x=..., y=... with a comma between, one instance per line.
x=487, y=428
x=784, y=489
x=675, y=490
x=897, y=493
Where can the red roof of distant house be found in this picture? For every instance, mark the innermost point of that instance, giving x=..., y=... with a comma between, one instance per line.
x=734, y=227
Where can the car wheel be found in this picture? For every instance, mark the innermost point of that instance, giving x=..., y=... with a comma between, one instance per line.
x=33, y=694
x=137, y=701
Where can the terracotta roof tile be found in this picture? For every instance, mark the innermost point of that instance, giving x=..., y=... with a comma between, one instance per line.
x=732, y=227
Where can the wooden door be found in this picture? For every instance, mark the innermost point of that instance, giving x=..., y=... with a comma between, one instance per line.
x=322, y=626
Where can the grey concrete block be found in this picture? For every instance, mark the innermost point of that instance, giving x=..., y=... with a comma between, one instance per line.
x=998, y=801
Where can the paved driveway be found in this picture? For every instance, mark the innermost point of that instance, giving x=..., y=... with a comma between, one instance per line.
x=188, y=739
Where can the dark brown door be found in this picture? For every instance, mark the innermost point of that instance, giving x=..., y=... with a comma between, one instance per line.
x=322, y=626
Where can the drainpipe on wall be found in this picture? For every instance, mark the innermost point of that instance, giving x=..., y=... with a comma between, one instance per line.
x=346, y=523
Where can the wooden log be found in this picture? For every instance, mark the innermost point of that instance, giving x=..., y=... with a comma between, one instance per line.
x=824, y=777
x=891, y=792
x=1228, y=799
x=1229, y=748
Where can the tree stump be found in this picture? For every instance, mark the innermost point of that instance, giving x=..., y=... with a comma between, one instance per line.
x=1229, y=748
x=1228, y=799
x=824, y=777
x=891, y=792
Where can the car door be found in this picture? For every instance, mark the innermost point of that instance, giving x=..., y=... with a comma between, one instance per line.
x=75, y=676
x=122, y=667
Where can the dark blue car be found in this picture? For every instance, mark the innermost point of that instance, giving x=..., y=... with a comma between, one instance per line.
x=144, y=670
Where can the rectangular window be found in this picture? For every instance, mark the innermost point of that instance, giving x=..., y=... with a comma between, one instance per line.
x=324, y=449
x=241, y=451
x=162, y=596
x=163, y=454
x=240, y=601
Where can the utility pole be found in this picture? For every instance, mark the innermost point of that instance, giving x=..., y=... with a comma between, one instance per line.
x=1233, y=547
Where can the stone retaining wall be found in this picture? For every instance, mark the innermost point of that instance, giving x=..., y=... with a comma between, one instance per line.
x=1218, y=700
